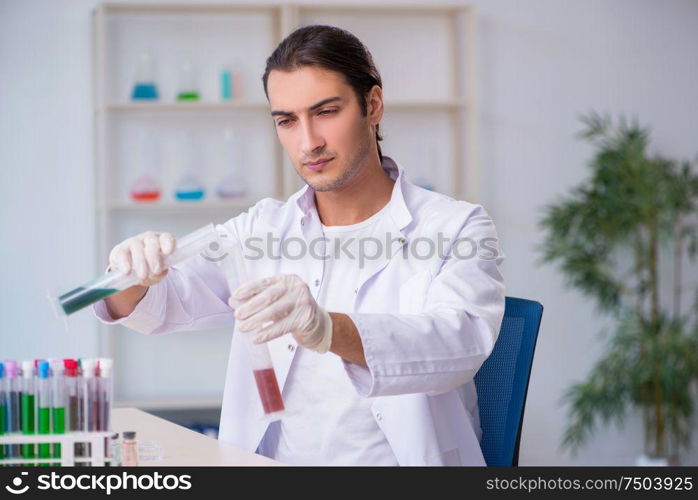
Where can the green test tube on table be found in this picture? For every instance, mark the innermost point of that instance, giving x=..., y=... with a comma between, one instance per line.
x=28, y=409
x=58, y=403
x=43, y=397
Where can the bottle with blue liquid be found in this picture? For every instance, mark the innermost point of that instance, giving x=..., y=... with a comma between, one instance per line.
x=144, y=87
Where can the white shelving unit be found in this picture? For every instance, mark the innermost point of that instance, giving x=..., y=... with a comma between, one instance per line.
x=426, y=58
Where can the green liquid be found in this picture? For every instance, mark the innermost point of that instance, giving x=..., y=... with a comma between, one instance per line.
x=58, y=428
x=81, y=297
x=28, y=423
x=44, y=428
x=188, y=96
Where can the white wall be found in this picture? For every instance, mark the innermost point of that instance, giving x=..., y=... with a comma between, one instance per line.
x=542, y=62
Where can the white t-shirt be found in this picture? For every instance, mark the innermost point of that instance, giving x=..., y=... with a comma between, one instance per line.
x=331, y=424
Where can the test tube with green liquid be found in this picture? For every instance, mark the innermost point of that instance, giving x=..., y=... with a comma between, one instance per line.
x=43, y=397
x=28, y=407
x=114, y=281
x=58, y=403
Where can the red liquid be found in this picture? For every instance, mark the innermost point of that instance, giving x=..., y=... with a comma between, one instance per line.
x=268, y=390
x=145, y=195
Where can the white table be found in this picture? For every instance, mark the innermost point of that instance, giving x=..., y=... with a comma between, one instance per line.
x=181, y=446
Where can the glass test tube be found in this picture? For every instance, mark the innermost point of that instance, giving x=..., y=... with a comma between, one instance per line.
x=88, y=399
x=28, y=408
x=114, y=281
x=260, y=359
x=59, y=402
x=44, y=405
x=73, y=417
x=104, y=398
x=13, y=404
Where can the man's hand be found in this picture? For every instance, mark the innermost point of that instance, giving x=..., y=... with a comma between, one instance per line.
x=286, y=300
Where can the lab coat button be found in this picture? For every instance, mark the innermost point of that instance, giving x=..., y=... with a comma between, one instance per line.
x=291, y=347
x=379, y=417
x=356, y=290
x=317, y=282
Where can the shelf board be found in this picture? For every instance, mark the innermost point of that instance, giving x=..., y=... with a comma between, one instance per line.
x=185, y=106
x=262, y=105
x=170, y=403
x=424, y=8
x=180, y=207
x=185, y=8
x=425, y=104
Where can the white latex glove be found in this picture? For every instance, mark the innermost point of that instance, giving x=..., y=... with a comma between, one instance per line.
x=143, y=254
x=286, y=300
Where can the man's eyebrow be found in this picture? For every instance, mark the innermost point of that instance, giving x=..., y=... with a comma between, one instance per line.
x=311, y=108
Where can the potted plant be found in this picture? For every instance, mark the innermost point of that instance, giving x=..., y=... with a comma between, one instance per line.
x=609, y=235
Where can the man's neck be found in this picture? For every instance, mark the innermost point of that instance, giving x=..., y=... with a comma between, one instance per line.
x=364, y=195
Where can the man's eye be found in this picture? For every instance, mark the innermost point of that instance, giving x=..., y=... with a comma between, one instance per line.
x=327, y=111
x=283, y=123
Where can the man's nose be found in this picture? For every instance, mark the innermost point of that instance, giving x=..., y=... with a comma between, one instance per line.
x=311, y=141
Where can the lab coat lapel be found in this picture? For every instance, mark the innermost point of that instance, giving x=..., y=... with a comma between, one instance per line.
x=390, y=228
x=391, y=241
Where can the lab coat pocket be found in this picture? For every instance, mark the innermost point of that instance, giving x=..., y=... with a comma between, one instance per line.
x=413, y=292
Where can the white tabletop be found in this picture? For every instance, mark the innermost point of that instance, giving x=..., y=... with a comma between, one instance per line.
x=181, y=446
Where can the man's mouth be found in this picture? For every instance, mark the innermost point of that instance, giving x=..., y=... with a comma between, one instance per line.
x=318, y=165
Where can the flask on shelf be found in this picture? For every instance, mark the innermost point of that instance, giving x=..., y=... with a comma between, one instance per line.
x=144, y=86
x=188, y=90
x=233, y=185
x=146, y=189
x=189, y=186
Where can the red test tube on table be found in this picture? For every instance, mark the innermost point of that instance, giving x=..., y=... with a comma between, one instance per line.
x=72, y=417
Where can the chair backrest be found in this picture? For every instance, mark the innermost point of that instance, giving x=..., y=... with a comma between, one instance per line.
x=502, y=382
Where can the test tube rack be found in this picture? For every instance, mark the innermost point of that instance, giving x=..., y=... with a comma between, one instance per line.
x=98, y=441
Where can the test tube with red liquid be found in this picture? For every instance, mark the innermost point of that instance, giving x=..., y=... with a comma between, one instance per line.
x=260, y=359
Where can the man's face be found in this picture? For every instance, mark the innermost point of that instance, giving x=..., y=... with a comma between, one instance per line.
x=318, y=119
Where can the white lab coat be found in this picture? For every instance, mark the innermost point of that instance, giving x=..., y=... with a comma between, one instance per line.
x=426, y=324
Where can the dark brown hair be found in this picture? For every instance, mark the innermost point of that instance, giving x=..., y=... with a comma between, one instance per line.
x=330, y=48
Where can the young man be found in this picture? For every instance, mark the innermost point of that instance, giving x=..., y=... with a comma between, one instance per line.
x=378, y=326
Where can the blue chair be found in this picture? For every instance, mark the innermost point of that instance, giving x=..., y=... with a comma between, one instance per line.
x=502, y=382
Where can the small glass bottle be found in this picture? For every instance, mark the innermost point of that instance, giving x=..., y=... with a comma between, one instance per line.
x=129, y=449
x=115, y=450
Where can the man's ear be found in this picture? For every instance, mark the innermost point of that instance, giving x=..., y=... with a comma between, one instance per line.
x=374, y=108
